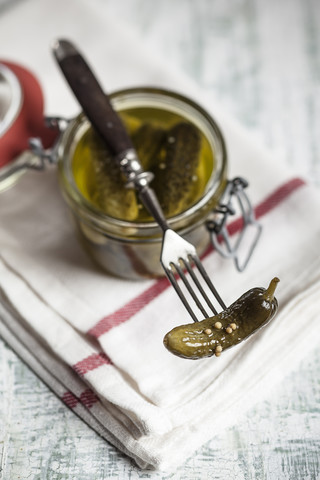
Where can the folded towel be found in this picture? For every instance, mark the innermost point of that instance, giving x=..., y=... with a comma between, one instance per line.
x=96, y=340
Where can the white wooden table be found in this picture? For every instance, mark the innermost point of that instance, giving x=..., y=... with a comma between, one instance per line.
x=262, y=59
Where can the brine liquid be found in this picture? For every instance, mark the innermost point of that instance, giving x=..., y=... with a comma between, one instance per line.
x=100, y=182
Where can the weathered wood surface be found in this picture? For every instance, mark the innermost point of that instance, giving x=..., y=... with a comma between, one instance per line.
x=42, y=439
x=262, y=60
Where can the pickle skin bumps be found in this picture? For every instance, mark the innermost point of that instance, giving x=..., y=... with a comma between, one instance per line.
x=253, y=310
x=109, y=191
x=176, y=168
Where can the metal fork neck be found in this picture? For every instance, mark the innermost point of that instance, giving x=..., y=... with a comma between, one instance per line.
x=150, y=201
x=137, y=178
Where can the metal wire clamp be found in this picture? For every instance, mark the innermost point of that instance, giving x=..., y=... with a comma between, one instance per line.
x=234, y=199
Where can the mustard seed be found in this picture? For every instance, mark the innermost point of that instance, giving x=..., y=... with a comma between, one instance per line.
x=218, y=350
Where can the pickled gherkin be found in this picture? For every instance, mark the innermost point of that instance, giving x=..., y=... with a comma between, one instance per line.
x=253, y=310
x=174, y=150
x=176, y=168
x=106, y=187
x=148, y=141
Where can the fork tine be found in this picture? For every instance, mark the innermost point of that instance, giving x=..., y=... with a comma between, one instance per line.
x=189, y=287
x=181, y=295
x=204, y=274
x=200, y=288
x=179, y=255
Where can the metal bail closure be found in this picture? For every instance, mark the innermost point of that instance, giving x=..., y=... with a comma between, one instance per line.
x=37, y=157
x=235, y=201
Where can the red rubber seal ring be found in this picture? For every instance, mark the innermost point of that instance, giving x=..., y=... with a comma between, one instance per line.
x=29, y=121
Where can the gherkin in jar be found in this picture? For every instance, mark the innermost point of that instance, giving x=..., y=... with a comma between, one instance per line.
x=148, y=141
x=106, y=182
x=174, y=150
x=176, y=168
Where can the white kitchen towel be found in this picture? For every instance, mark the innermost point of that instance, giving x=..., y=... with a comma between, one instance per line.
x=100, y=338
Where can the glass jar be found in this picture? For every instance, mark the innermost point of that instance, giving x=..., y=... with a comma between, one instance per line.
x=131, y=249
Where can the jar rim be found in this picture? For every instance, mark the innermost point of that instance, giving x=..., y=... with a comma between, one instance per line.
x=175, y=102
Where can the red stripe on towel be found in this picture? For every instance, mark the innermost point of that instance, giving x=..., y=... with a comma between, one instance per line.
x=87, y=398
x=130, y=309
x=134, y=306
x=69, y=399
x=271, y=202
x=90, y=363
x=278, y=196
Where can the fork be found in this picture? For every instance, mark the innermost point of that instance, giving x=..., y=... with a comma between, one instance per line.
x=178, y=257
